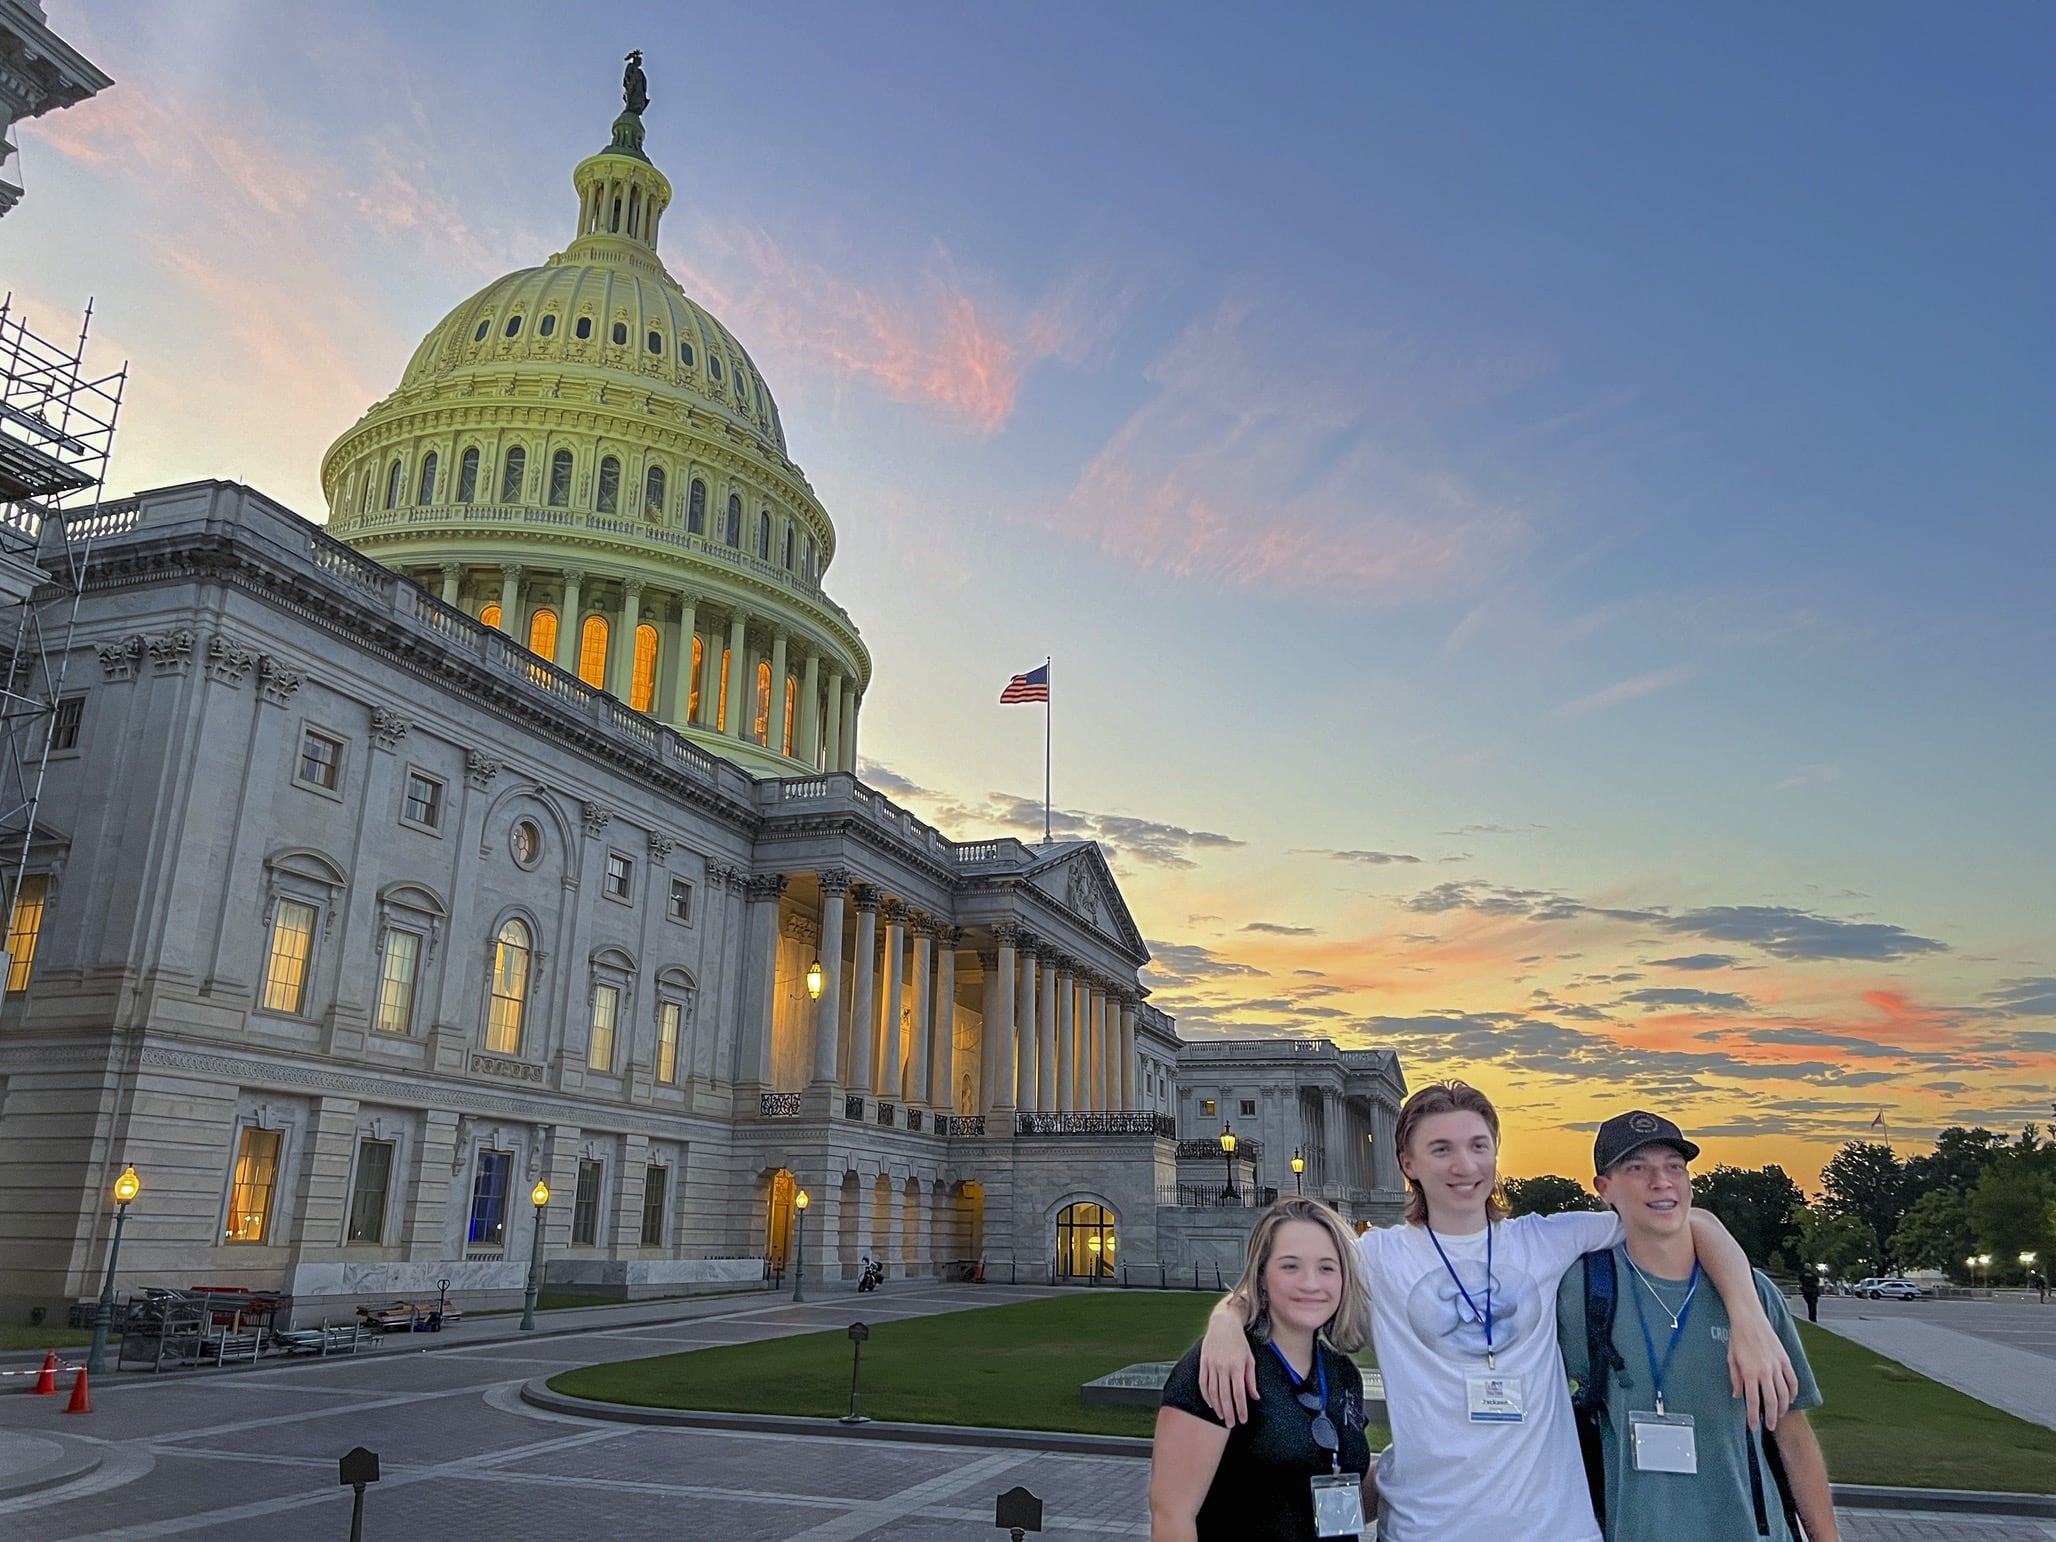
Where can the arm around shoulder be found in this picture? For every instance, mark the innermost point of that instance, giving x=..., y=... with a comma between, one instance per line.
x=1183, y=1461
x=1758, y=1368
x=1227, y=1369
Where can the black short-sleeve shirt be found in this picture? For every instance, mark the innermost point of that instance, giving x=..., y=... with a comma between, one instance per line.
x=1260, y=1491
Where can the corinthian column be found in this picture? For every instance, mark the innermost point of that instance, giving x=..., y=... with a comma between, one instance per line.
x=510, y=597
x=681, y=673
x=828, y=1010
x=997, y=1054
x=1066, y=1032
x=1027, y=1033
x=623, y=683
x=864, y=995
x=1046, y=1036
x=806, y=733
x=774, y=718
x=568, y=629
x=942, y=1041
x=889, y=1080
x=919, y=1050
x=738, y=708
x=1128, y=1052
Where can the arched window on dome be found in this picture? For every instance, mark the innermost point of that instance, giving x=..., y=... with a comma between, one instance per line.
x=792, y=696
x=699, y=664
x=513, y=328
x=635, y=200
x=791, y=546
x=620, y=334
x=428, y=467
x=542, y=633
x=714, y=366
x=467, y=476
x=393, y=487
x=592, y=652
x=584, y=329
x=760, y=729
x=764, y=534
x=696, y=508
x=370, y=488
x=547, y=327
x=685, y=353
x=653, y=493
x=490, y=616
x=734, y=531
x=642, y=689
x=615, y=225
x=560, y=479
x=513, y=475
x=607, y=499
x=807, y=561
x=485, y=325
x=511, y=951
x=655, y=342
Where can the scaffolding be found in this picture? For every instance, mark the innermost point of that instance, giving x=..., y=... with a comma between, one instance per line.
x=56, y=434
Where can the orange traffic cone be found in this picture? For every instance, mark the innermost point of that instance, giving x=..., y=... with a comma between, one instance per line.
x=80, y=1403
x=46, y=1379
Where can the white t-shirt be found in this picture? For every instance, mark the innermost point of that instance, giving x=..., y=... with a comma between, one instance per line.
x=1446, y=1478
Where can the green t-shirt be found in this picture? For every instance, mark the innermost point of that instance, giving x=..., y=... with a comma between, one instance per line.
x=1713, y=1504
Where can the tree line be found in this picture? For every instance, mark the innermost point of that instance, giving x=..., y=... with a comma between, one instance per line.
x=1976, y=1195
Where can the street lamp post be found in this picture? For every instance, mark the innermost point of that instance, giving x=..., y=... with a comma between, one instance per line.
x=1228, y=1151
x=1298, y=1167
x=799, y=1241
x=539, y=1196
x=126, y=1188
x=1984, y=1263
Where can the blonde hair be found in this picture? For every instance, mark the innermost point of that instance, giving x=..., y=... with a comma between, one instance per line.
x=1350, y=1328
x=1451, y=1097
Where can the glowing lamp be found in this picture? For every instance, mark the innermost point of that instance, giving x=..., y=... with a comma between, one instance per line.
x=540, y=1195
x=814, y=979
x=801, y=1200
x=1298, y=1161
x=1228, y=1141
x=127, y=1186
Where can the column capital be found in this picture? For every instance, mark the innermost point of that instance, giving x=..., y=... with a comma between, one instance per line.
x=779, y=633
x=894, y=911
x=632, y=587
x=575, y=577
x=510, y=572
x=921, y=923
x=1007, y=933
x=949, y=936
x=688, y=599
x=1026, y=942
x=764, y=886
x=863, y=896
x=452, y=570
x=835, y=880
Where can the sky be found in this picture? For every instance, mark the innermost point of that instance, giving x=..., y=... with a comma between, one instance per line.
x=1541, y=516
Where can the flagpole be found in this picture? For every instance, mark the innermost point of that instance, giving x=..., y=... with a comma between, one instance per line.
x=1047, y=693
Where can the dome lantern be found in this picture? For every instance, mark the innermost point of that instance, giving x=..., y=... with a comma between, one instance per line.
x=621, y=195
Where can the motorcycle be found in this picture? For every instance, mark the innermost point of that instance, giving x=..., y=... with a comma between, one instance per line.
x=872, y=1277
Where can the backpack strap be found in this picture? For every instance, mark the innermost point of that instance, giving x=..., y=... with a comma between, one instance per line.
x=1775, y=1460
x=1588, y=1403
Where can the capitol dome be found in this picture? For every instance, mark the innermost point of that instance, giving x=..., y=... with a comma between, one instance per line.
x=582, y=456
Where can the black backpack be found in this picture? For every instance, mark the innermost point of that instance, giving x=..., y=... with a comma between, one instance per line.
x=1588, y=1403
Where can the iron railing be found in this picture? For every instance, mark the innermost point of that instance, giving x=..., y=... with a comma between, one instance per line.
x=1159, y=1125
x=780, y=1105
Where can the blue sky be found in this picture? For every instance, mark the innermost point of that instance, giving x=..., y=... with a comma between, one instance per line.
x=1604, y=457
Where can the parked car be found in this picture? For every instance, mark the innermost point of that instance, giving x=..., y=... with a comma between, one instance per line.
x=1893, y=1290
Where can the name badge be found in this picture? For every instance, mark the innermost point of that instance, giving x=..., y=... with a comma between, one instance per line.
x=1663, y=1442
x=1495, y=1399
x=1338, y=1505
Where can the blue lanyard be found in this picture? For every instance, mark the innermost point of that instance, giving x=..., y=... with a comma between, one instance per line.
x=1485, y=1317
x=1660, y=1369
x=1298, y=1380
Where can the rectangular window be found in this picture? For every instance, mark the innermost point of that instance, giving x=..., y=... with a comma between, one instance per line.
x=285, y=968
x=669, y=1016
x=396, y=971
x=585, y=1208
x=656, y=1193
x=249, y=1199
x=599, y=1048
x=1249, y=1108
x=620, y=875
x=24, y=927
x=489, y=1200
x=424, y=800
x=64, y=733
x=680, y=908
x=368, y=1192
x=1206, y=1108
x=321, y=760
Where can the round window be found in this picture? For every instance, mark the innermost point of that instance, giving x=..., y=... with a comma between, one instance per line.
x=526, y=842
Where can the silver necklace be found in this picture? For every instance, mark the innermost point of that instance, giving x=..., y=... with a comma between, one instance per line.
x=1661, y=1305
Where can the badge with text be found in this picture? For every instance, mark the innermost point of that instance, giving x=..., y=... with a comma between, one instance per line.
x=1663, y=1442
x=1494, y=1399
x=1338, y=1505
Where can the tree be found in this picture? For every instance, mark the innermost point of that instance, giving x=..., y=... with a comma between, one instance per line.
x=1755, y=1204
x=1959, y=1159
x=1844, y=1244
x=1865, y=1182
x=1549, y=1195
x=1935, y=1232
x=2010, y=1209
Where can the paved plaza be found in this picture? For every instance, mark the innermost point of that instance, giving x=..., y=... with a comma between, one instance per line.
x=250, y=1456
x=2001, y=1352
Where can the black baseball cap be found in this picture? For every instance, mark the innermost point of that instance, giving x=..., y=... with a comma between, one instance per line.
x=1625, y=1134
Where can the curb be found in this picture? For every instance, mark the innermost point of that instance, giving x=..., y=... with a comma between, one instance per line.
x=78, y=1459
x=537, y=1393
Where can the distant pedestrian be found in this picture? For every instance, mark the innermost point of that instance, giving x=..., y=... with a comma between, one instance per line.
x=2042, y=1286
x=1809, y=1287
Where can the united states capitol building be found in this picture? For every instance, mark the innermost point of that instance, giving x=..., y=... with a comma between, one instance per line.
x=506, y=827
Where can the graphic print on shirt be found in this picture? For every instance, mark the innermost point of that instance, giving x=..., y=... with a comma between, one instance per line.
x=1454, y=1328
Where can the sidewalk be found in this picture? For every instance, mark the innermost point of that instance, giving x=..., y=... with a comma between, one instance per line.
x=2006, y=1378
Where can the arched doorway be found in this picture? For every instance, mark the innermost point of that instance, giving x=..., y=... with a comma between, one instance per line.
x=778, y=1220
x=969, y=1198
x=1085, y=1241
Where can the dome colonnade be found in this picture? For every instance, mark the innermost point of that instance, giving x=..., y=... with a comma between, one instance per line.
x=583, y=457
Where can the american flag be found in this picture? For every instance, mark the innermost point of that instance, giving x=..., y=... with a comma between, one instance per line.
x=1033, y=686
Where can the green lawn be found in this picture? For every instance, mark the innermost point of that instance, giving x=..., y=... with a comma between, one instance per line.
x=13, y=1338
x=1882, y=1423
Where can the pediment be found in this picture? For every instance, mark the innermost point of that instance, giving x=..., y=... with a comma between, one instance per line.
x=1079, y=880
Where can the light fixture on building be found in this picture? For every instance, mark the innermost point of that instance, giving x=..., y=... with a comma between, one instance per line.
x=814, y=979
x=127, y=1187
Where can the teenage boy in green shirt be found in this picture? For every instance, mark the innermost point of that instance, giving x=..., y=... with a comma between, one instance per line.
x=1681, y=1462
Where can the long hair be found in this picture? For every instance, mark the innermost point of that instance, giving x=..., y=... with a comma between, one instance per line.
x=1450, y=1097
x=1350, y=1328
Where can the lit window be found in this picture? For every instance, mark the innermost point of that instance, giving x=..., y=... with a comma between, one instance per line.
x=679, y=907
x=599, y=1047
x=653, y=493
x=642, y=690
x=685, y=353
x=485, y=325
x=734, y=532
x=64, y=733
x=656, y=1191
x=585, y=328
x=620, y=875
x=24, y=927
x=721, y=706
x=669, y=1017
x=1206, y=1108
x=285, y=966
x=467, y=476
x=620, y=334
x=560, y=479
x=760, y=728
x=699, y=662
x=249, y=1200
x=393, y=487
x=424, y=804
x=585, y=1207
x=488, y=1228
x=490, y=616
x=548, y=325
x=510, y=989
x=368, y=1191
x=542, y=633
x=514, y=475
x=696, y=508
x=656, y=342
x=608, y=499
x=514, y=325
x=592, y=652
x=397, y=968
